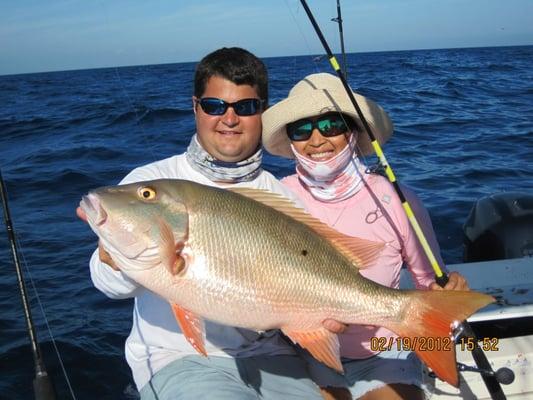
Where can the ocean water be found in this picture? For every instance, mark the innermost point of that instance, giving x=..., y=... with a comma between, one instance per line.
x=463, y=130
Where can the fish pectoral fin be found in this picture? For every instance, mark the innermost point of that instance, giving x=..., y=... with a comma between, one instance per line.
x=322, y=344
x=191, y=326
x=169, y=250
x=361, y=252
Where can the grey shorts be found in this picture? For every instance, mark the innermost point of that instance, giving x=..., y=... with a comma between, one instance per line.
x=262, y=377
x=363, y=375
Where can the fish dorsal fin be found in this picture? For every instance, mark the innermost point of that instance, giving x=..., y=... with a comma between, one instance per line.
x=361, y=252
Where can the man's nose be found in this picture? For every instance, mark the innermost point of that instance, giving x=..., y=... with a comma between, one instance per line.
x=230, y=117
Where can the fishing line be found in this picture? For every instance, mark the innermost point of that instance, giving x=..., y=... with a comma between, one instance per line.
x=20, y=251
x=126, y=95
x=309, y=51
x=149, y=145
x=440, y=276
x=43, y=388
x=370, y=168
x=52, y=338
x=42, y=385
x=493, y=386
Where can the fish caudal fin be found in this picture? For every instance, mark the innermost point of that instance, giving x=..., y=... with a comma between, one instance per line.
x=322, y=344
x=427, y=327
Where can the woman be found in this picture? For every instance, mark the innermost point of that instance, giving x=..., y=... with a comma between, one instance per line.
x=318, y=126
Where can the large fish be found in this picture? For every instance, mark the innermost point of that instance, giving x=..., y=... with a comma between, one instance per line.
x=250, y=259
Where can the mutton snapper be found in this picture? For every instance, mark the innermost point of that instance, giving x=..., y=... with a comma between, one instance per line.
x=248, y=258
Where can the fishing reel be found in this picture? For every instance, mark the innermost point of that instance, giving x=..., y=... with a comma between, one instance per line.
x=504, y=375
x=377, y=169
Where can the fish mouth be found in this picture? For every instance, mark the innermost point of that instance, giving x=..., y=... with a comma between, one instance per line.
x=96, y=214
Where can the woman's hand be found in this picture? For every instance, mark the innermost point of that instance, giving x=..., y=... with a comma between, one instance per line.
x=456, y=281
x=105, y=257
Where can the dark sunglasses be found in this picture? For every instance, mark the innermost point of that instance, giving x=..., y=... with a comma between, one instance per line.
x=244, y=107
x=328, y=126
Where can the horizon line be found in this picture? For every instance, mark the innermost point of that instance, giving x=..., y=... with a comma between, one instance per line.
x=263, y=58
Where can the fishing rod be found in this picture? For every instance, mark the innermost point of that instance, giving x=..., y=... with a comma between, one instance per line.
x=338, y=20
x=492, y=384
x=42, y=385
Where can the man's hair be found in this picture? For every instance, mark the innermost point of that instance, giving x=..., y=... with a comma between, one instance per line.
x=234, y=64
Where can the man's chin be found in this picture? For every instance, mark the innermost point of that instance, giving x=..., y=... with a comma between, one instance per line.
x=229, y=158
x=230, y=153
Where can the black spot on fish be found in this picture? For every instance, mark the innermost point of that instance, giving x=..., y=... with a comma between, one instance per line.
x=304, y=253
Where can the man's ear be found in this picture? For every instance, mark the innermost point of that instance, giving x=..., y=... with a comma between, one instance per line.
x=194, y=104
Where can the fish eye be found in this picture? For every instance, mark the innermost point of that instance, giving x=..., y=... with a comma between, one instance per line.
x=146, y=193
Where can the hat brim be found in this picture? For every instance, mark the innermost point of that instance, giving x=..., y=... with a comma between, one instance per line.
x=317, y=102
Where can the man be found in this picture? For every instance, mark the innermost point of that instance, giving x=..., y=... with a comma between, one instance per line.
x=230, y=93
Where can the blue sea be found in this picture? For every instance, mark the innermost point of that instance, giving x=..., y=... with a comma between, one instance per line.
x=463, y=130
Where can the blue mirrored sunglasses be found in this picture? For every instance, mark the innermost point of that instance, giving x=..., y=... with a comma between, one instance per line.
x=244, y=107
x=329, y=125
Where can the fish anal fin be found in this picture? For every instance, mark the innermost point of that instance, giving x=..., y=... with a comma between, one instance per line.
x=361, y=252
x=170, y=250
x=322, y=344
x=191, y=326
x=429, y=318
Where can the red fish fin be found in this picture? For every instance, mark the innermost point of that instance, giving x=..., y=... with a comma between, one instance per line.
x=427, y=327
x=191, y=326
x=169, y=250
x=322, y=344
x=361, y=253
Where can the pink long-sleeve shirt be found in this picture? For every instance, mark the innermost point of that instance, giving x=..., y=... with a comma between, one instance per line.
x=361, y=216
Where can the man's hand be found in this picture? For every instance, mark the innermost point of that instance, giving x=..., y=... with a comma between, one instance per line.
x=334, y=326
x=81, y=214
x=105, y=257
x=456, y=281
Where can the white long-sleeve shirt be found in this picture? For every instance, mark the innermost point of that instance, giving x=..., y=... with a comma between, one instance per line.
x=155, y=339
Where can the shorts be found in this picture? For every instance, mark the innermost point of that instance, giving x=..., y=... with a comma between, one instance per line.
x=260, y=377
x=364, y=375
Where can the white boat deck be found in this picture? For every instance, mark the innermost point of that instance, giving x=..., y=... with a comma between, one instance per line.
x=510, y=281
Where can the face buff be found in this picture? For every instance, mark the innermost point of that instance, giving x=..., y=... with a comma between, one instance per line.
x=222, y=171
x=332, y=180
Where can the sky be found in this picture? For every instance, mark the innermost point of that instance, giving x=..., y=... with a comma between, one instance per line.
x=56, y=35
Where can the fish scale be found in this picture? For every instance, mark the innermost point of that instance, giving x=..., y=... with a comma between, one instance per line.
x=280, y=268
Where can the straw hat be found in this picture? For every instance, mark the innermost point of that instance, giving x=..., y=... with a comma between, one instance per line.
x=319, y=94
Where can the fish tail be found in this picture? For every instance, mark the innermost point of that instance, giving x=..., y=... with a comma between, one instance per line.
x=426, y=327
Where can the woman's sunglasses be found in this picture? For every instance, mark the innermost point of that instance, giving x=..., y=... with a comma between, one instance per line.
x=328, y=126
x=243, y=108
